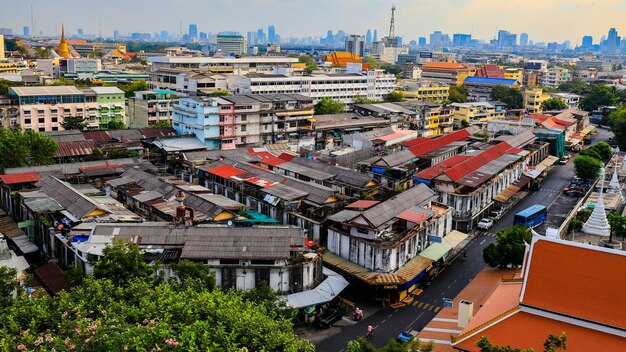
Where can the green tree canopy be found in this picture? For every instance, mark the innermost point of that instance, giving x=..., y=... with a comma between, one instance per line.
x=393, y=97
x=116, y=125
x=371, y=61
x=599, y=94
x=617, y=120
x=552, y=344
x=553, y=104
x=25, y=148
x=458, y=94
x=601, y=151
x=618, y=226
x=509, y=247
x=74, y=123
x=161, y=124
x=193, y=275
x=361, y=99
x=219, y=93
x=393, y=69
x=510, y=96
x=586, y=167
x=309, y=62
x=8, y=284
x=575, y=85
x=4, y=86
x=328, y=105
x=132, y=87
x=121, y=263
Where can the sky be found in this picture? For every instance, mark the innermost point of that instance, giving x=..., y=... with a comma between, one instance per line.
x=543, y=20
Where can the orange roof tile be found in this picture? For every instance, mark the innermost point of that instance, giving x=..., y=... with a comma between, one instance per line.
x=524, y=330
x=444, y=66
x=579, y=281
x=25, y=177
x=503, y=298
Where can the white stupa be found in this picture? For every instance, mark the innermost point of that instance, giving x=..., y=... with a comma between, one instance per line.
x=623, y=163
x=597, y=224
x=614, y=186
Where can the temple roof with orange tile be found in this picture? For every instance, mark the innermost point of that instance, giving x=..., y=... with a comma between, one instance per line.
x=444, y=66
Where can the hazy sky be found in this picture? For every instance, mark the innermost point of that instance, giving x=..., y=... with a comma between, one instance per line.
x=543, y=20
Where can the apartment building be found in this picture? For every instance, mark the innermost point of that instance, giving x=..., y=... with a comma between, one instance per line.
x=44, y=108
x=147, y=108
x=232, y=44
x=570, y=99
x=480, y=87
x=553, y=77
x=226, y=122
x=514, y=73
x=187, y=81
x=433, y=119
x=477, y=112
x=373, y=84
x=449, y=73
x=9, y=111
x=533, y=97
x=225, y=65
x=425, y=91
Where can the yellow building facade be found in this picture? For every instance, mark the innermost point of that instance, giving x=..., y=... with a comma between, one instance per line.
x=426, y=91
x=476, y=112
x=533, y=97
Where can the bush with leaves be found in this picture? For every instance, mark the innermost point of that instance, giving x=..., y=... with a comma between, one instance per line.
x=328, y=105
x=509, y=247
x=553, y=104
x=587, y=167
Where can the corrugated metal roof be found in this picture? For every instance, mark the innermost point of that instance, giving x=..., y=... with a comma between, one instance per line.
x=97, y=136
x=73, y=168
x=26, y=177
x=75, y=148
x=72, y=200
x=53, y=278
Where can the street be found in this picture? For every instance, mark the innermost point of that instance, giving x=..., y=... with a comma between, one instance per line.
x=389, y=322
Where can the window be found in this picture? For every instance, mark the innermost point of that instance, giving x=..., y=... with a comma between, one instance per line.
x=243, y=118
x=41, y=120
x=42, y=129
x=243, y=128
x=55, y=119
x=27, y=121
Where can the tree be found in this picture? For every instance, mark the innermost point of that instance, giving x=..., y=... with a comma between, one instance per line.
x=219, y=93
x=161, y=124
x=617, y=120
x=552, y=344
x=602, y=149
x=116, y=125
x=132, y=87
x=393, y=69
x=618, y=226
x=328, y=105
x=4, y=86
x=510, y=96
x=371, y=61
x=575, y=85
x=509, y=247
x=194, y=276
x=555, y=343
x=364, y=100
x=121, y=263
x=458, y=94
x=553, y=104
x=586, y=167
x=25, y=148
x=394, y=97
x=74, y=123
x=8, y=284
x=309, y=62
x=599, y=94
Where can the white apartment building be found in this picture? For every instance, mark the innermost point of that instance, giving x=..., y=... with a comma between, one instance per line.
x=231, y=65
x=232, y=44
x=187, y=81
x=553, y=77
x=343, y=87
x=389, y=54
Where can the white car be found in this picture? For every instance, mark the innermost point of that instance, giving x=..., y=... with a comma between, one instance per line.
x=485, y=224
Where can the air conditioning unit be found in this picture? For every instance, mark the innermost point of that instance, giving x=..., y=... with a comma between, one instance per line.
x=244, y=263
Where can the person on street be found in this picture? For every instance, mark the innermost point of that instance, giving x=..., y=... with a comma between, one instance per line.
x=370, y=331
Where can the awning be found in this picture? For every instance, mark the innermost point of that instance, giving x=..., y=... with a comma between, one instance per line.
x=295, y=113
x=506, y=193
x=572, y=141
x=454, y=238
x=24, y=244
x=324, y=292
x=588, y=130
x=436, y=251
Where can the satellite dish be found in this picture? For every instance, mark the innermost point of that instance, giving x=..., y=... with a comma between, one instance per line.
x=229, y=223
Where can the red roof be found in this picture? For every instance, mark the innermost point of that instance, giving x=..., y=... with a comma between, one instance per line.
x=539, y=118
x=415, y=141
x=444, y=66
x=459, y=171
x=25, y=177
x=75, y=148
x=98, y=136
x=413, y=216
x=491, y=71
x=286, y=157
x=434, y=171
x=432, y=144
x=157, y=132
x=362, y=204
x=272, y=161
x=105, y=166
x=225, y=171
x=578, y=281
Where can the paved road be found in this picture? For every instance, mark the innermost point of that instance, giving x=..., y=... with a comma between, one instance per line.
x=390, y=322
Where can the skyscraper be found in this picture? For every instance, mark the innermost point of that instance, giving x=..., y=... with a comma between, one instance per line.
x=271, y=34
x=368, y=38
x=523, y=39
x=587, y=41
x=375, y=39
x=459, y=39
x=26, y=31
x=612, y=42
x=355, y=44
x=193, y=31
x=260, y=36
x=506, y=39
x=421, y=41
x=116, y=35
x=251, y=38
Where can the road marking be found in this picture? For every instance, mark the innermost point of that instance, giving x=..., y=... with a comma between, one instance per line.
x=451, y=331
x=445, y=320
x=413, y=322
x=415, y=303
x=483, y=241
x=437, y=309
x=421, y=305
x=384, y=320
x=389, y=316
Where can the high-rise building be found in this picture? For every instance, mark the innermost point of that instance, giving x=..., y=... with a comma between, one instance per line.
x=80, y=32
x=355, y=44
x=271, y=34
x=439, y=39
x=587, y=41
x=421, y=41
x=375, y=39
x=204, y=37
x=506, y=39
x=612, y=42
x=251, y=36
x=368, y=38
x=260, y=36
x=6, y=31
x=193, y=31
x=459, y=39
x=116, y=35
x=26, y=31
x=1, y=46
x=232, y=44
x=523, y=39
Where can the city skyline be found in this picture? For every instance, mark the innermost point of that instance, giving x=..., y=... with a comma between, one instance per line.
x=557, y=20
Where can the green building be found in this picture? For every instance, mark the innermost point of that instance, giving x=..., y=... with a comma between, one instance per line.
x=111, y=105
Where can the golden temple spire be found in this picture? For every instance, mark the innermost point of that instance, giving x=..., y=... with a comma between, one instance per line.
x=64, y=50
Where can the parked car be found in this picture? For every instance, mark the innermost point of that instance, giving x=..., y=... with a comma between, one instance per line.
x=562, y=161
x=574, y=193
x=329, y=317
x=485, y=224
x=406, y=336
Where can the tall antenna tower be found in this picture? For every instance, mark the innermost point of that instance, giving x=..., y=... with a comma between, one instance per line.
x=32, y=21
x=392, y=25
